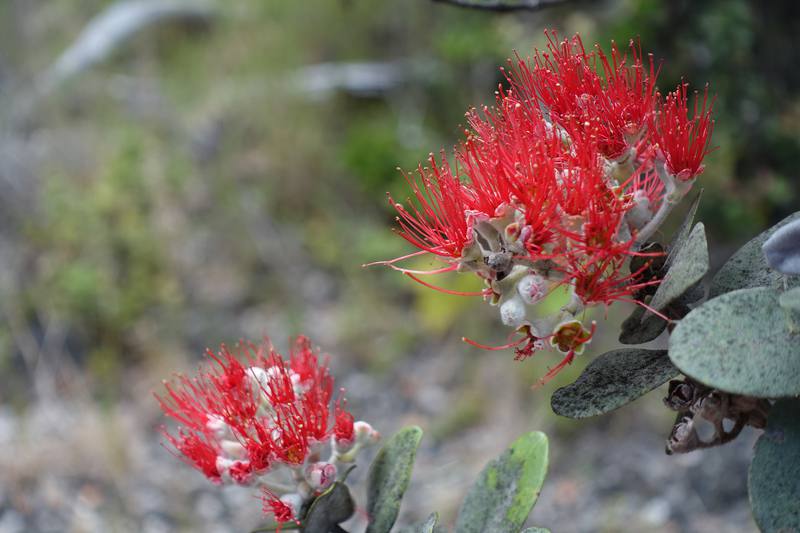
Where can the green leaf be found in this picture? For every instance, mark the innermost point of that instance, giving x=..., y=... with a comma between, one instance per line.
x=426, y=526
x=684, y=268
x=741, y=342
x=683, y=232
x=774, y=473
x=613, y=380
x=790, y=299
x=330, y=508
x=638, y=331
x=688, y=267
x=748, y=267
x=388, y=478
x=535, y=530
x=507, y=488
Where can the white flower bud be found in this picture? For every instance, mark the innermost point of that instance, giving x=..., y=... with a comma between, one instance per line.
x=364, y=433
x=640, y=214
x=320, y=475
x=223, y=467
x=512, y=312
x=294, y=501
x=233, y=448
x=216, y=424
x=532, y=288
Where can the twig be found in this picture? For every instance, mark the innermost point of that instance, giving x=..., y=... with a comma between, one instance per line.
x=500, y=6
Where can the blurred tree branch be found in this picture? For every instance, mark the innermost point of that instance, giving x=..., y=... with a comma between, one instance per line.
x=500, y=6
x=114, y=26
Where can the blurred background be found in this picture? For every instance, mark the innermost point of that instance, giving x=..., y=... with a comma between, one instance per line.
x=176, y=174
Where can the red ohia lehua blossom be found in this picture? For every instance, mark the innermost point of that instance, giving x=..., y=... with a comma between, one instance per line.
x=684, y=140
x=252, y=417
x=560, y=183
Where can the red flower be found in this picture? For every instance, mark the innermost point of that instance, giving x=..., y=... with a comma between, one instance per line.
x=683, y=139
x=198, y=452
x=281, y=510
x=343, y=426
x=594, y=97
x=225, y=404
x=561, y=179
x=435, y=222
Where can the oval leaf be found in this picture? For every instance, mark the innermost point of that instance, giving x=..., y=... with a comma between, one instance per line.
x=688, y=267
x=332, y=507
x=782, y=249
x=507, y=488
x=426, y=526
x=775, y=470
x=683, y=232
x=613, y=380
x=740, y=342
x=388, y=478
x=748, y=267
x=790, y=299
x=637, y=331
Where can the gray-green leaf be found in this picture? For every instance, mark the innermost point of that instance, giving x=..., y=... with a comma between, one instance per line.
x=613, y=380
x=332, y=507
x=775, y=470
x=688, y=267
x=637, y=331
x=535, y=530
x=507, y=488
x=741, y=342
x=748, y=266
x=426, y=526
x=790, y=299
x=683, y=232
x=388, y=479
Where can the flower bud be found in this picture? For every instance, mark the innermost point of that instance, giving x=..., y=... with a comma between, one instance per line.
x=512, y=312
x=320, y=475
x=532, y=288
x=233, y=448
x=234, y=471
x=365, y=434
x=216, y=424
x=640, y=214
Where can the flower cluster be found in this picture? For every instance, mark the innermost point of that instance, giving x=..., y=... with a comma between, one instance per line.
x=255, y=423
x=559, y=184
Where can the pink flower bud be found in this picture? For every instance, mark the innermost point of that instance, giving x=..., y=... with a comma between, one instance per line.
x=320, y=475
x=532, y=288
x=365, y=434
